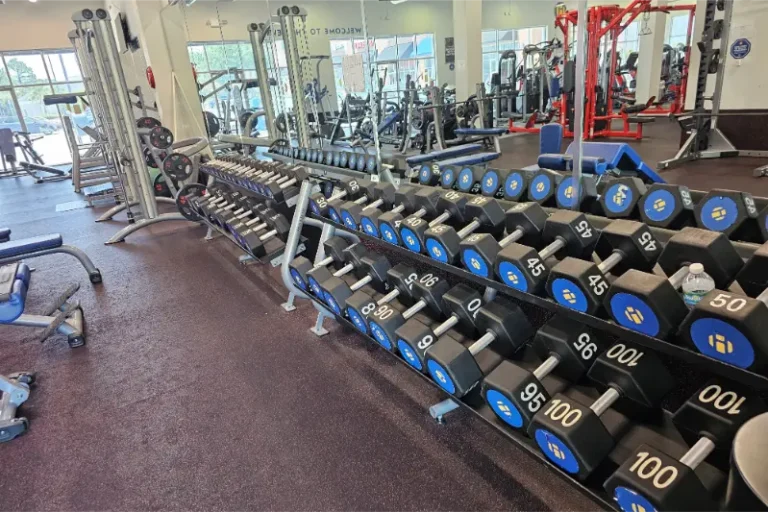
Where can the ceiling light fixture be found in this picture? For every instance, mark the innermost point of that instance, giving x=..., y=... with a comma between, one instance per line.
x=395, y=2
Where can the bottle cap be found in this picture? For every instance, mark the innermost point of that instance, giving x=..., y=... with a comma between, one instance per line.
x=696, y=268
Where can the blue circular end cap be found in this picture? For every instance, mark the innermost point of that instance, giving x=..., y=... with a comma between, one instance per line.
x=409, y=355
x=315, y=287
x=388, y=234
x=504, y=409
x=436, y=250
x=566, y=293
x=490, y=183
x=540, y=187
x=332, y=303
x=297, y=280
x=424, y=174
x=357, y=320
x=719, y=213
x=512, y=276
x=474, y=263
x=465, y=179
x=334, y=215
x=618, y=198
x=369, y=227
x=659, y=205
x=633, y=313
x=446, y=179
x=348, y=220
x=565, y=193
x=513, y=186
x=410, y=240
x=380, y=336
x=630, y=501
x=440, y=376
x=722, y=341
x=556, y=451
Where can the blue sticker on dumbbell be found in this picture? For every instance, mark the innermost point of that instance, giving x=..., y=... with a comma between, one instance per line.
x=465, y=179
x=380, y=336
x=719, y=213
x=297, y=280
x=567, y=294
x=314, y=208
x=425, y=174
x=474, y=263
x=630, y=501
x=409, y=355
x=388, y=234
x=565, y=193
x=369, y=227
x=370, y=166
x=410, y=240
x=332, y=303
x=334, y=215
x=490, y=182
x=556, y=451
x=446, y=179
x=348, y=220
x=440, y=376
x=504, y=408
x=513, y=186
x=633, y=313
x=618, y=198
x=540, y=187
x=512, y=276
x=659, y=205
x=436, y=250
x=357, y=320
x=315, y=287
x=722, y=341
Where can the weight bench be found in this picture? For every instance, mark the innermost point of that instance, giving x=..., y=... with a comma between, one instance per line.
x=16, y=250
x=600, y=157
x=442, y=154
x=15, y=391
x=483, y=133
x=63, y=317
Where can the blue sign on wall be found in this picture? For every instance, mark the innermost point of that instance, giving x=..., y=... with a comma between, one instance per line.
x=740, y=48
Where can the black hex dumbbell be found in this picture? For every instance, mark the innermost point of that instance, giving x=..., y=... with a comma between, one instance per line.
x=621, y=197
x=651, y=479
x=282, y=191
x=405, y=201
x=352, y=256
x=567, y=233
x=667, y=206
x=571, y=435
x=414, y=338
x=336, y=291
x=443, y=242
x=319, y=204
x=379, y=194
x=420, y=205
x=361, y=305
x=457, y=369
x=542, y=186
x=413, y=229
x=582, y=285
x=728, y=211
x=254, y=242
x=301, y=266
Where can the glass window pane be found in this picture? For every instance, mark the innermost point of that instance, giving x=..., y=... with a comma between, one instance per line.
x=489, y=41
x=197, y=57
x=508, y=40
x=4, y=79
x=386, y=48
x=217, y=59
x=232, y=51
x=26, y=69
x=426, y=72
x=425, y=45
x=630, y=32
x=246, y=54
x=62, y=66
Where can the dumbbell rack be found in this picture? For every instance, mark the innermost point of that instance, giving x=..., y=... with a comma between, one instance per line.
x=322, y=170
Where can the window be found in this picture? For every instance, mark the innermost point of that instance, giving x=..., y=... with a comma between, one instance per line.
x=25, y=78
x=678, y=30
x=495, y=42
x=397, y=57
x=628, y=41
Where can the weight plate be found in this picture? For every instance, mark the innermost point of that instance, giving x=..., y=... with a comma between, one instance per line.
x=178, y=166
x=183, y=197
x=148, y=123
x=212, y=123
x=161, y=187
x=151, y=161
x=161, y=137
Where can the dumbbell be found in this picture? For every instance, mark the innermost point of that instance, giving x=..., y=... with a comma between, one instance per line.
x=430, y=174
x=469, y=179
x=621, y=197
x=352, y=256
x=361, y=305
x=492, y=184
x=525, y=223
x=414, y=338
x=385, y=320
x=404, y=197
x=587, y=199
x=241, y=223
x=443, y=242
x=667, y=206
x=651, y=304
x=729, y=212
x=567, y=233
x=651, y=479
x=421, y=204
x=366, y=193
x=413, y=229
x=515, y=394
x=457, y=369
x=301, y=266
x=256, y=225
x=379, y=194
x=746, y=488
x=571, y=435
x=516, y=184
x=276, y=176
x=230, y=199
x=542, y=186
x=243, y=209
x=254, y=243
x=283, y=191
x=730, y=327
x=582, y=285
x=336, y=291
x=319, y=205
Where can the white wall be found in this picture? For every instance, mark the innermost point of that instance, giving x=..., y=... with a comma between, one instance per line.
x=39, y=26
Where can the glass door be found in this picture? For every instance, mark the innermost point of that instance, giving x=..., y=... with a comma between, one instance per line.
x=9, y=111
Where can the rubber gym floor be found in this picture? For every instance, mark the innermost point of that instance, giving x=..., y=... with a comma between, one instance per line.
x=197, y=391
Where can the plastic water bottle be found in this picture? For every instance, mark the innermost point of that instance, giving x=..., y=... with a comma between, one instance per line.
x=696, y=284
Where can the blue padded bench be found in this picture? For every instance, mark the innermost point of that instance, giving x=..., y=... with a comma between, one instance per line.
x=429, y=174
x=481, y=132
x=24, y=248
x=14, y=283
x=620, y=156
x=560, y=162
x=443, y=154
x=5, y=234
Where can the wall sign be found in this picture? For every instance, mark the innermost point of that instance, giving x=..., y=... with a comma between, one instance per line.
x=740, y=48
x=450, y=51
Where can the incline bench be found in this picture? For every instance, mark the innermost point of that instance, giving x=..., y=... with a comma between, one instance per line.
x=433, y=163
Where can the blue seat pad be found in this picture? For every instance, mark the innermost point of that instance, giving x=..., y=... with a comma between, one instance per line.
x=480, y=131
x=443, y=154
x=477, y=158
x=29, y=245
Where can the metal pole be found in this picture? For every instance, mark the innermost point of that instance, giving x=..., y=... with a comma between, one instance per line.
x=578, y=100
x=295, y=78
x=384, y=173
x=257, y=33
x=724, y=40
